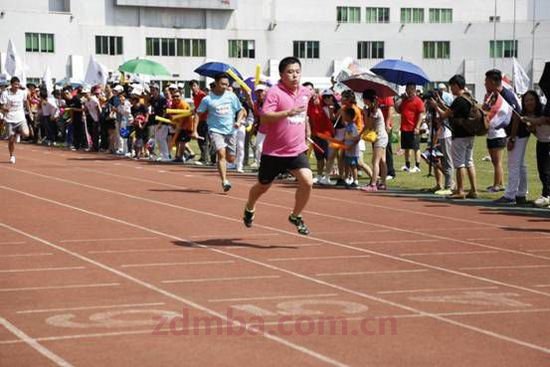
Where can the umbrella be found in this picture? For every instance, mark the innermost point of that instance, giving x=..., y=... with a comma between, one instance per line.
x=144, y=67
x=362, y=82
x=400, y=72
x=544, y=82
x=211, y=69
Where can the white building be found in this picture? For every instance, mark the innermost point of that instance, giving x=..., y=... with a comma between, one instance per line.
x=444, y=37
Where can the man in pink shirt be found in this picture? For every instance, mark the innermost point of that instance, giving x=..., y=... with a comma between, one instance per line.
x=284, y=115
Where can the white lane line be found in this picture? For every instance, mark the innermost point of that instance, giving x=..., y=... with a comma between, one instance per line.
x=505, y=267
x=449, y=253
x=12, y=243
x=42, y=269
x=74, y=286
x=351, y=273
x=542, y=285
x=31, y=254
x=430, y=290
x=267, y=298
x=302, y=276
x=538, y=250
x=45, y=310
x=109, y=239
x=34, y=344
x=318, y=258
x=506, y=238
x=138, y=250
x=224, y=235
x=257, y=330
x=177, y=263
x=390, y=241
x=226, y=279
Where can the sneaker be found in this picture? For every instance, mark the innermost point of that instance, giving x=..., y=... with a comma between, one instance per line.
x=415, y=170
x=521, y=200
x=298, y=221
x=352, y=185
x=12, y=159
x=240, y=170
x=487, y=158
x=495, y=188
x=405, y=169
x=504, y=201
x=340, y=182
x=248, y=217
x=369, y=188
x=381, y=187
x=389, y=178
x=444, y=192
x=226, y=185
x=542, y=202
x=325, y=180
x=456, y=196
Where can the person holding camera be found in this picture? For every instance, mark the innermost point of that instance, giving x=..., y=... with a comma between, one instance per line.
x=463, y=141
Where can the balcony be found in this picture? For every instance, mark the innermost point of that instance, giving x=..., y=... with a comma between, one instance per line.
x=182, y=4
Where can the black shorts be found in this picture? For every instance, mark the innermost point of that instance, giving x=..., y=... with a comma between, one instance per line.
x=183, y=136
x=410, y=140
x=323, y=144
x=497, y=143
x=271, y=166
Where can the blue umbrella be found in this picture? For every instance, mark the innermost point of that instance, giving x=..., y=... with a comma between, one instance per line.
x=400, y=72
x=211, y=69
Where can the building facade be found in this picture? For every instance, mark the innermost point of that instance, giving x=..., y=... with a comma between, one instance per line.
x=443, y=37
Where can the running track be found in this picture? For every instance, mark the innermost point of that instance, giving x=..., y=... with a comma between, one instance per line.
x=107, y=262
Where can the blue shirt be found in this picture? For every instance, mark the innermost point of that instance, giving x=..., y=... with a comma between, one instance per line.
x=352, y=148
x=221, y=111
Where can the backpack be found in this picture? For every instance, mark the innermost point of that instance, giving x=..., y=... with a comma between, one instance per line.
x=476, y=123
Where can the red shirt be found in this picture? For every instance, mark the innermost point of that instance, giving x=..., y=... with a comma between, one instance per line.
x=385, y=104
x=197, y=98
x=411, y=109
x=318, y=119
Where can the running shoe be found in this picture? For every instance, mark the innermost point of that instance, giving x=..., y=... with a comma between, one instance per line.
x=298, y=221
x=248, y=217
x=226, y=185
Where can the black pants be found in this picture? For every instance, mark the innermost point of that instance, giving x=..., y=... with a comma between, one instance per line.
x=79, y=135
x=93, y=130
x=543, y=165
x=204, y=144
x=389, y=159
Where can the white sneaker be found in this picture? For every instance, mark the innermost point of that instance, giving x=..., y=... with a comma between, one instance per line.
x=12, y=159
x=389, y=178
x=325, y=180
x=317, y=179
x=542, y=202
x=405, y=169
x=414, y=170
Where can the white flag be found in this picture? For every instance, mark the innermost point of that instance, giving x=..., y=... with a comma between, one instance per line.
x=47, y=80
x=14, y=65
x=96, y=73
x=521, y=80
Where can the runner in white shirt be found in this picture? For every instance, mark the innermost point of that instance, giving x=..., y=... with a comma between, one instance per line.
x=12, y=103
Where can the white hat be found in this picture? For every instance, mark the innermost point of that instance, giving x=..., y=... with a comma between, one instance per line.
x=86, y=89
x=119, y=88
x=327, y=92
x=172, y=86
x=181, y=85
x=441, y=86
x=260, y=87
x=137, y=90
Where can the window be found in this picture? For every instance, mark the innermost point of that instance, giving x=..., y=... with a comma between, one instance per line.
x=39, y=42
x=437, y=49
x=61, y=6
x=348, y=14
x=306, y=49
x=370, y=50
x=108, y=45
x=183, y=47
x=242, y=49
x=493, y=19
x=378, y=15
x=499, y=49
x=412, y=15
x=441, y=15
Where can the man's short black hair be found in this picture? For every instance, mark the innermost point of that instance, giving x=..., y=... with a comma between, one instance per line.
x=494, y=75
x=369, y=94
x=221, y=76
x=308, y=84
x=350, y=112
x=193, y=82
x=288, y=61
x=349, y=94
x=14, y=79
x=458, y=80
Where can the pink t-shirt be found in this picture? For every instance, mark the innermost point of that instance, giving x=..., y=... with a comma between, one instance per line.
x=286, y=137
